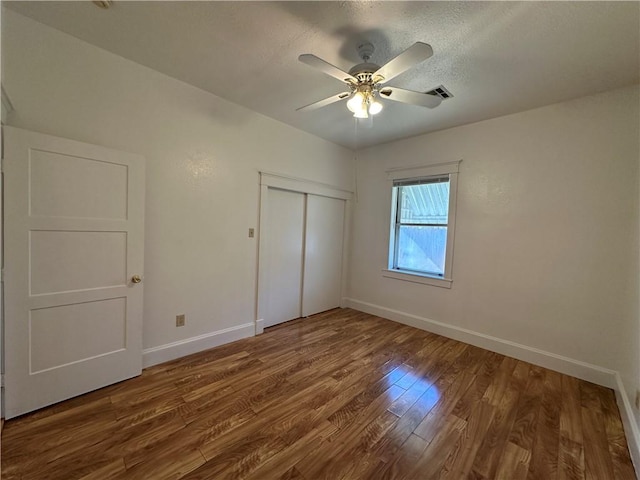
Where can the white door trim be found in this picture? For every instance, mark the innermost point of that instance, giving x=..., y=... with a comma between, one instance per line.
x=287, y=182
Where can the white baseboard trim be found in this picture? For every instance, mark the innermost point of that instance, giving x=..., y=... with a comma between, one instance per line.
x=171, y=351
x=259, y=326
x=552, y=361
x=629, y=422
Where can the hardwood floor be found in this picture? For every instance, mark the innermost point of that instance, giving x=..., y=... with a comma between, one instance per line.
x=341, y=395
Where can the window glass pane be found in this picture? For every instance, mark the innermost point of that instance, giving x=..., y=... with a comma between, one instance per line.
x=427, y=203
x=421, y=249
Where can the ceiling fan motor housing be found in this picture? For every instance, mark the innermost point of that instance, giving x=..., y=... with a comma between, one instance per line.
x=363, y=71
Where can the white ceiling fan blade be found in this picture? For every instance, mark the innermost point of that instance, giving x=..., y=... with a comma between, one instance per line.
x=326, y=67
x=416, y=53
x=410, y=97
x=326, y=101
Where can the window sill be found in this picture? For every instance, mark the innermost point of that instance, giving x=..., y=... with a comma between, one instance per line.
x=417, y=278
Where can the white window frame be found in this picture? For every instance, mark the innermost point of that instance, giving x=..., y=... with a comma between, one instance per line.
x=420, y=172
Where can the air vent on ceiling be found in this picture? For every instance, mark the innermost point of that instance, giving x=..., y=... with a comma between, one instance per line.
x=441, y=92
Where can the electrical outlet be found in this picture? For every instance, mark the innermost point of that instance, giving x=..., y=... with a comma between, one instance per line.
x=180, y=320
x=638, y=399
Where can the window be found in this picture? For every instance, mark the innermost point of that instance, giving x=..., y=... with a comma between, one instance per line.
x=422, y=224
x=422, y=216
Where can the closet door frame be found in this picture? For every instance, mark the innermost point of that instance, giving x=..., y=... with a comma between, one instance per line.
x=298, y=185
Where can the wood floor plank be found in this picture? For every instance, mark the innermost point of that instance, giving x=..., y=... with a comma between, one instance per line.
x=404, y=460
x=167, y=468
x=426, y=373
x=75, y=465
x=598, y=463
x=348, y=412
x=443, y=378
x=514, y=464
x=188, y=438
x=292, y=474
x=63, y=427
x=341, y=395
x=111, y=471
x=133, y=438
x=500, y=383
x=134, y=415
x=285, y=461
x=105, y=448
x=571, y=451
x=528, y=410
x=570, y=410
x=240, y=459
x=355, y=457
x=42, y=420
x=622, y=466
x=570, y=459
x=544, y=453
x=479, y=385
x=56, y=450
x=478, y=422
x=322, y=463
x=444, y=443
x=433, y=422
x=493, y=444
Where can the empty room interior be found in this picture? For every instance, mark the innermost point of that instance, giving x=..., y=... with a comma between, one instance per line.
x=320, y=240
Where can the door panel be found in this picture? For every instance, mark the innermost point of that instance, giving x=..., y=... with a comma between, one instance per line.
x=52, y=176
x=323, y=254
x=55, y=256
x=285, y=238
x=74, y=220
x=91, y=329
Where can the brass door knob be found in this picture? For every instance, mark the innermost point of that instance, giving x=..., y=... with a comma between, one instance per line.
x=136, y=279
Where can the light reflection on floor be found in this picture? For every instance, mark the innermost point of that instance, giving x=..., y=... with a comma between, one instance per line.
x=418, y=389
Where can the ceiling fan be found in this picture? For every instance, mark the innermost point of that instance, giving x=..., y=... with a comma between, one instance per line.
x=366, y=81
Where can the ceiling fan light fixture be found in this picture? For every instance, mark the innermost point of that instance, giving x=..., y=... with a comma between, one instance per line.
x=375, y=107
x=363, y=103
x=355, y=103
x=361, y=113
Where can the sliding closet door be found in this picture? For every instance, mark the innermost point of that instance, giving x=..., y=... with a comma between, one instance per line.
x=284, y=234
x=323, y=254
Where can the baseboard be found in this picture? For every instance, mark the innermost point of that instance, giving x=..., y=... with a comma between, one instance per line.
x=629, y=422
x=171, y=351
x=259, y=326
x=552, y=361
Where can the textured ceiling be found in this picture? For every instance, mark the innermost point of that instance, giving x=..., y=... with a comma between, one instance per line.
x=495, y=57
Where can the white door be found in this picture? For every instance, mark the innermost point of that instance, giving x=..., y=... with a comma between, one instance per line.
x=284, y=236
x=323, y=254
x=74, y=218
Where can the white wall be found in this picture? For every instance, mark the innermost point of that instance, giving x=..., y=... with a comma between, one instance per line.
x=546, y=250
x=546, y=245
x=203, y=156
